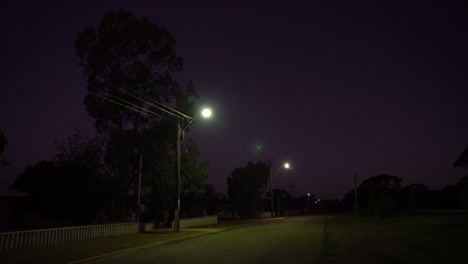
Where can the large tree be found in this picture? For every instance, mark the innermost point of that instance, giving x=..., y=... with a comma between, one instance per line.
x=193, y=174
x=415, y=196
x=246, y=186
x=48, y=188
x=81, y=158
x=131, y=59
x=129, y=64
x=381, y=191
x=3, y=142
x=281, y=201
x=158, y=174
x=462, y=161
x=71, y=186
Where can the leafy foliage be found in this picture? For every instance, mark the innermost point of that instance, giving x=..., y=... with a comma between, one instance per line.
x=376, y=188
x=71, y=187
x=193, y=174
x=129, y=64
x=281, y=200
x=49, y=189
x=130, y=58
x=464, y=196
x=246, y=185
x=462, y=160
x=84, y=149
x=416, y=196
x=3, y=142
x=462, y=185
x=64, y=191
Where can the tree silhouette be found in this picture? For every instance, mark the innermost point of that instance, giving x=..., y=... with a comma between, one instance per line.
x=3, y=142
x=71, y=187
x=81, y=158
x=380, y=192
x=129, y=64
x=415, y=196
x=462, y=160
x=132, y=59
x=60, y=192
x=245, y=187
x=281, y=201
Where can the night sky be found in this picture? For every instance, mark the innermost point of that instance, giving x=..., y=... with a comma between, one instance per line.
x=334, y=88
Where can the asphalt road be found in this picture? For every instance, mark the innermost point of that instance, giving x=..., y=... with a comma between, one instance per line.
x=292, y=240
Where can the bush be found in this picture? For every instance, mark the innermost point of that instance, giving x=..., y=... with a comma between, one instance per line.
x=464, y=196
x=386, y=207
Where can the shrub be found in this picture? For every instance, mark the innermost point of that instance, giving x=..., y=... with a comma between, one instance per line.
x=464, y=196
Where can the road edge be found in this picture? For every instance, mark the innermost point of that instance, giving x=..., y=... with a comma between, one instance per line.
x=159, y=243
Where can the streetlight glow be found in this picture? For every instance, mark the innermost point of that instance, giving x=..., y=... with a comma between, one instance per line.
x=180, y=131
x=285, y=166
x=206, y=113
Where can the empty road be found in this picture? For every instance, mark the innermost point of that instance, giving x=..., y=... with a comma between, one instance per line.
x=292, y=240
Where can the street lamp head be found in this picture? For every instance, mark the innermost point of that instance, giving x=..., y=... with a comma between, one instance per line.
x=287, y=166
x=206, y=113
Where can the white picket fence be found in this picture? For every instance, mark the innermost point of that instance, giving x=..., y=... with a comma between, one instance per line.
x=45, y=237
x=10, y=241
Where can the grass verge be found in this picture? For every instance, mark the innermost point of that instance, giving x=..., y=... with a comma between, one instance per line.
x=329, y=244
x=418, y=239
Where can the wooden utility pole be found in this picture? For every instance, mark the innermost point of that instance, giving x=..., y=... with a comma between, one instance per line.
x=355, y=194
x=271, y=190
x=139, y=189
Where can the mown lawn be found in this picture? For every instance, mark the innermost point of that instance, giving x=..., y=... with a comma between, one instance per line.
x=416, y=239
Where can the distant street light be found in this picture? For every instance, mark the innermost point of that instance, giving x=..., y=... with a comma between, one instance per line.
x=205, y=113
x=286, y=166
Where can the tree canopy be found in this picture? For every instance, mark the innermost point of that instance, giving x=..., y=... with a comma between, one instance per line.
x=132, y=59
x=462, y=160
x=246, y=186
x=130, y=64
x=3, y=142
x=71, y=187
x=380, y=194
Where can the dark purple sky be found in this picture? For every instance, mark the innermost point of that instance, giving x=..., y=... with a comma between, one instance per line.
x=332, y=88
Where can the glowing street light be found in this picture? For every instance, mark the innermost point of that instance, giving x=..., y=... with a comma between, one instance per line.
x=286, y=166
x=205, y=113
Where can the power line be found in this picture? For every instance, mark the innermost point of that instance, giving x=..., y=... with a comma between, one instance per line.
x=117, y=85
x=126, y=106
x=166, y=110
x=137, y=106
x=161, y=107
x=187, y=93
x=105, y=98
